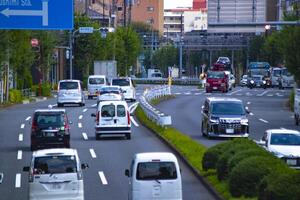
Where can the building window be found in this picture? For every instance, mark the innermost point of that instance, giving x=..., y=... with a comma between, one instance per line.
x=150, y=9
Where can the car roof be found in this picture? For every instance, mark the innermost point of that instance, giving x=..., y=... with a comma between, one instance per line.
x=163, y=156
x=223, y=99
x=97, y=76
x=111, y=87
x=50, y=110
x=69, y=80
x=113, y=102
x=56, y=151
x=282, y=131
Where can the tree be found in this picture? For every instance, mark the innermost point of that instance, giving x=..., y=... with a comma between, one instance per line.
x=165, y=57
x=256, y=51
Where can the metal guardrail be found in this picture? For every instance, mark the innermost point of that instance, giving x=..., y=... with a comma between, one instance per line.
x=161, y=81
x=151, y=112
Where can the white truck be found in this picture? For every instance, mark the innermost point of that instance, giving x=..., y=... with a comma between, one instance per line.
x=107, y=68
x=154, y=73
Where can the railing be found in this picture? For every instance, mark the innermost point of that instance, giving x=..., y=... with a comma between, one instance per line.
x=26, y=92
x=161, y=81
x=151, y=112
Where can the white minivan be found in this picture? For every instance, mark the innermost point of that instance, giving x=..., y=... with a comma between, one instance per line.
x=154, y=175
x=112, y=118
x=70, y=92
x=94, y=84
x=127, y=87
x=55, y=174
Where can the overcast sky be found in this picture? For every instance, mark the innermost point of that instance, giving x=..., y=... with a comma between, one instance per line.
x=177, y=3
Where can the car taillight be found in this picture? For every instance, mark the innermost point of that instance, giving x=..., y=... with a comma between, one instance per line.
x=98, y=117
x=128, y=118
x=33, y=125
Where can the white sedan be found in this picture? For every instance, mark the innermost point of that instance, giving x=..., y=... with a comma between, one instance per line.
x=283, y=143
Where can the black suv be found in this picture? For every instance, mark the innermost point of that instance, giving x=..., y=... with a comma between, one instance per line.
x=224, y=117
x=50, y=128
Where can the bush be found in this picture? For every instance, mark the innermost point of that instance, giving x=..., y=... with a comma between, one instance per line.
x=292, y=100
x=15, y=96
x=249, y=173
x=235, y=147
x=285, y=186
x=43, y=89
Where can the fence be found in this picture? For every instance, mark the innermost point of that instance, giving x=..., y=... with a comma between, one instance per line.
x=151, y=112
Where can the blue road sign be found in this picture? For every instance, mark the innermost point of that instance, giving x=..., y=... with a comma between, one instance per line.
x=36, y=14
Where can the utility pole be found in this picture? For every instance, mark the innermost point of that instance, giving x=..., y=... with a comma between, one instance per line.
x=71, y=53
x=129, y=12
x=7, y=75
x=180, y=46
x=124, y=13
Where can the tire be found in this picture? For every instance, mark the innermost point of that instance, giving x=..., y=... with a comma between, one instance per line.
x=128, y=136
x=97, y=136
x=296, y=120
x=202, y=130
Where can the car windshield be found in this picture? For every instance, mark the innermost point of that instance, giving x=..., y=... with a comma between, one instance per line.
x=228, y=108
x=156, y=171
x=49, y=119
x=276, y=73
x=121, y=82
x=215, y=75
x=55, y=164
x=96, y=81
x=285, y=139
x=68, y=85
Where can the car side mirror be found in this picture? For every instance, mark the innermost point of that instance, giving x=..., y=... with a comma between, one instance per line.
x=127, y=173
x=84, y=166
x=26, y=169
x=93, y=115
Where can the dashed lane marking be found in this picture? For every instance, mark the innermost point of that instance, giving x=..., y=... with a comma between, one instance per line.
x=262, y=94
x=20, y=137
x=18, y=181
x=239, y=94
x=265, y=121
x=248, y=103
x=102, y=177
x=80, y=117
x=85, y=137
x=270, y=95
x=94, y=105
x=93, y=154
x=134, y=122
x=178, y=93
x=234, y=92
x=28, y=118
x=187, y=93
x=198, y=93
x=19, y=156
x=84, y=110
x=22, y=125
x=79, y=125
x=251, y=114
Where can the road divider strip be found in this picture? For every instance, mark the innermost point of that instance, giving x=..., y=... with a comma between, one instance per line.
x=85, y=137
x=18, y=181
x=19, y=156
x=93, y=154
x=265, y=121
x=102, y=178
x=20, y=137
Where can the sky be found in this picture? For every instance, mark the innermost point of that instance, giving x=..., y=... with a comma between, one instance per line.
x=177, y=3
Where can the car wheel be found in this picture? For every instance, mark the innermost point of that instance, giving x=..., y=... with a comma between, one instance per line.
x=128, y=136
x=97, y=136
x=202, y=129
x=296, y=120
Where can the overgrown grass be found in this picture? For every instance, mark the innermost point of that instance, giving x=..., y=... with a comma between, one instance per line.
x=192, y=150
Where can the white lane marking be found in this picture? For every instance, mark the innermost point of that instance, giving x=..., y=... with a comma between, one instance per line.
x=19, y=156
x=248, y=103
x=207, y=94
x=248, y=94
x=93, y=154
x=102, y=177
x=187, y=93
x=94, y=105
x=22, y=125
x=270, y=95
x=239, y=94
x=134, y=122
x=84, y=110
x=85, y=137
x=251, y=114
x=260, y=95
x=234, y=92
x=79, y=125
x=28, y=118
x=280, y=95
x=18, y=181
x=80, y=117
x=265, y=121
x=282, y=128
x=198, y=93
x=20, y=137
x=178, y=93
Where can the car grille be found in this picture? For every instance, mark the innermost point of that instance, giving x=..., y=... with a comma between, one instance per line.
x=237, y=128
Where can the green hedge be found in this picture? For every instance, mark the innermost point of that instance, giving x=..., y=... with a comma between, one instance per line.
x=43, y=89
x=15, y=96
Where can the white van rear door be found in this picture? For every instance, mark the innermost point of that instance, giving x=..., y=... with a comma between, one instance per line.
x=122, y=115
x=108, y=113
x=56, y=176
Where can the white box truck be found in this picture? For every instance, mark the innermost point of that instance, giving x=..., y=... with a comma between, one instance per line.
x=107, y=68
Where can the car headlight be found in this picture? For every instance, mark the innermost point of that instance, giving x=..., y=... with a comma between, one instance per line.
x=277, y=154
x=244, y=121
x=214, y=120
x=264, y=82
x=252, y=82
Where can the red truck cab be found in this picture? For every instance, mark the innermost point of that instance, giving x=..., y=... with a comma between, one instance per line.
x=216, y=81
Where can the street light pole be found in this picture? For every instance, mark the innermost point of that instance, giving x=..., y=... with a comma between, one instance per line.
x=71, y=53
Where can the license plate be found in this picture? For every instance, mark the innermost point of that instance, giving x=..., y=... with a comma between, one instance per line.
x=291, y=162
x=156, y=191
x=49, y=134
x=229, y=130
x=215, y=88
x=56, y=186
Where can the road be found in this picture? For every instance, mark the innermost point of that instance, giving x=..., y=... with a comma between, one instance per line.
x=109, y=157
x=268, y=110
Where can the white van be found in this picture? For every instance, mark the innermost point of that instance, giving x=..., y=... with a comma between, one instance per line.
x=154, y=176
x=112, y=118
x=126, y=86
x=94, y=84
x=70, y=92
x=55, y=174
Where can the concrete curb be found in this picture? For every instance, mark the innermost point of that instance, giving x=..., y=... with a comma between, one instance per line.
x=203, y=180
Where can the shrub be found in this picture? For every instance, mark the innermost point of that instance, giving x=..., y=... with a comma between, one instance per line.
x=46, y=89
x=285, y=186
x=291, y=100
x=249, y=173
x=15, y=96
x=236, y=147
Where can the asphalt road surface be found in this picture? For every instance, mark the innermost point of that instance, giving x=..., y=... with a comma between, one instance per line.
x=109, y=157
